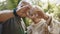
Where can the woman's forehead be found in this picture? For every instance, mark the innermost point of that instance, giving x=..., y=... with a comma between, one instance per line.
x=34, y=9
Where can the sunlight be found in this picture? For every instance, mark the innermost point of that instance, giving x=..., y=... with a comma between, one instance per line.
x=44, y=1
x=51, y=1
x=2, y=0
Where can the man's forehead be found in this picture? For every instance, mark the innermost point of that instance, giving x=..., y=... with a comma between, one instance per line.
x=23, y=2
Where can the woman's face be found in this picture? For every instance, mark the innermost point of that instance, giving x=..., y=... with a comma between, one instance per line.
x=35, y=14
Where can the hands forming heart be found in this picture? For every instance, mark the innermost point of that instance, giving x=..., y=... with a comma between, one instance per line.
x=34, y=13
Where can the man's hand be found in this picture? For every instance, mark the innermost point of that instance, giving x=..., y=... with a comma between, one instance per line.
x=23, y=11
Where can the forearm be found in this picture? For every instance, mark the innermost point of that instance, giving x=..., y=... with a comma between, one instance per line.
x=5, y=15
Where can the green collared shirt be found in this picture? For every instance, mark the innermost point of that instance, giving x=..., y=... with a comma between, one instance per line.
x=12, y=26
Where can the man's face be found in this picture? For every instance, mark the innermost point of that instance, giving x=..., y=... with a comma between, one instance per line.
x=24, y=11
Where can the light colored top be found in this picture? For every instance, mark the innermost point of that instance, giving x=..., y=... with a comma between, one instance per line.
x=38, y=28
x=54, y=27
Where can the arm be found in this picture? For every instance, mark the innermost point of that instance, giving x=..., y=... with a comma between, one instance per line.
x=5, y=15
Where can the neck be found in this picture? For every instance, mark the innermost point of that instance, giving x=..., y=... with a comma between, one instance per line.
x=36, y=21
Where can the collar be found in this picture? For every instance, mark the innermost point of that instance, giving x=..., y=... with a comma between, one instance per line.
x=49, y=20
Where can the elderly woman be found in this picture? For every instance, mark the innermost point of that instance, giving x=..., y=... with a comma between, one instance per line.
x=42, y=23
x=39, y=18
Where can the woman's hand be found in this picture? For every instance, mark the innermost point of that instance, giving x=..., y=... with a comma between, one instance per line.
x=34, y=18
x=36, y=14
x=32, y=14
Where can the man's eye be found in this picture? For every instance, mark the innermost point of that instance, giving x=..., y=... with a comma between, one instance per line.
x=21, y=6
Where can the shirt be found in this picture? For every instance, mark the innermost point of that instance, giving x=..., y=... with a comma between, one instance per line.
x=39, y=28
x=12, y=26
x=54, y=27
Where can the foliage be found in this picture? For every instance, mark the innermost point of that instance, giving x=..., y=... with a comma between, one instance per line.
x=49, y=7
x=8, y=4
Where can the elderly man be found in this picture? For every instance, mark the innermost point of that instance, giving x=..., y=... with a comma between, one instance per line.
x=9, y=19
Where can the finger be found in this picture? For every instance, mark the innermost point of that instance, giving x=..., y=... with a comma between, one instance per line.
x=25, y=8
